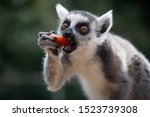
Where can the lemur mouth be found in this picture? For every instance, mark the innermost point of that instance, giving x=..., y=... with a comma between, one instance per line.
x=71, y=47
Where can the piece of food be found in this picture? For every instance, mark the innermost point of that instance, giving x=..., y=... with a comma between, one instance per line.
x=60, y=39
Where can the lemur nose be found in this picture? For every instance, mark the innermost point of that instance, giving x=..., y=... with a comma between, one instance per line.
x=68, y=33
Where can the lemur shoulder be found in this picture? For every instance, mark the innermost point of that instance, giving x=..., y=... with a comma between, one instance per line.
x=108, y=66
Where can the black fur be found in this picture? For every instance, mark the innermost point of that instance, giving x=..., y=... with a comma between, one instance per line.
x=65, y=59
x=111, y=66
x=105, y=26
x=67, y=22
x=141, y=77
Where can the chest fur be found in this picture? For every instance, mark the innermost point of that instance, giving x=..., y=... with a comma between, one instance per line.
x=88, y=68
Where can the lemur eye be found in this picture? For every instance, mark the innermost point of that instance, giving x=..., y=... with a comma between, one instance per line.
x=84, y=29
x=65, y=25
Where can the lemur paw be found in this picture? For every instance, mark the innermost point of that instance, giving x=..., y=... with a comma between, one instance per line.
x=46, y=42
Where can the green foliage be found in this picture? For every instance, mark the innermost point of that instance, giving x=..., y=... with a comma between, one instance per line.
x=21, y=58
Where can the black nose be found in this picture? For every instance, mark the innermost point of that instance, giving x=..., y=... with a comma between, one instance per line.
x=68, y=33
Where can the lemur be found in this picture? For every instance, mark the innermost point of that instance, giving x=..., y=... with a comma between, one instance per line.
x=107, y=65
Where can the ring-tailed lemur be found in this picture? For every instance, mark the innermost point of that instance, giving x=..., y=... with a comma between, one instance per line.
x=108, y=66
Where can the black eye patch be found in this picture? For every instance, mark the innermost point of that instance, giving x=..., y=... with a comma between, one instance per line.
x=83, y=28
x=65, y=24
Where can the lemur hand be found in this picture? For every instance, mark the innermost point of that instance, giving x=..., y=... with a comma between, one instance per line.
x=48, y=43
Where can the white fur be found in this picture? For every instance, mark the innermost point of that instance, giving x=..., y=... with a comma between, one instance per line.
x=61, y=11
x=89, y=72
x=104, y=18
x=77, y=18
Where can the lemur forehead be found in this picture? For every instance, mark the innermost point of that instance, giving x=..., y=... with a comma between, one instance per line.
x=81, y=16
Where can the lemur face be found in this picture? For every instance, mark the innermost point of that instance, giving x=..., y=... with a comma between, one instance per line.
x=77, y=28
x=80, y=26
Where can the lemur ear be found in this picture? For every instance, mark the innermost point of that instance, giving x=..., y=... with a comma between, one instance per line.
x=104, y=23
x=61, y=11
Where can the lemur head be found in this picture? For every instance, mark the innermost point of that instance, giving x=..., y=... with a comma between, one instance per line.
x=81, y=27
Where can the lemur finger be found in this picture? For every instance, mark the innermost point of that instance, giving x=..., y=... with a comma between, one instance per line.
x=46, y=42
x=43, y=33
x=48, y=38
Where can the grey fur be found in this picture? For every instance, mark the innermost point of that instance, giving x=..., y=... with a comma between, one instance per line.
x=111, y=66
x=90, y=16
x=138, y=70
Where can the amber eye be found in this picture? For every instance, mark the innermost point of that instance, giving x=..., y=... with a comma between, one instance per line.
x=64, y=26
x=84, y=29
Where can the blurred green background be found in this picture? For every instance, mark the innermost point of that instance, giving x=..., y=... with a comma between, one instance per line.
x=21, y=58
